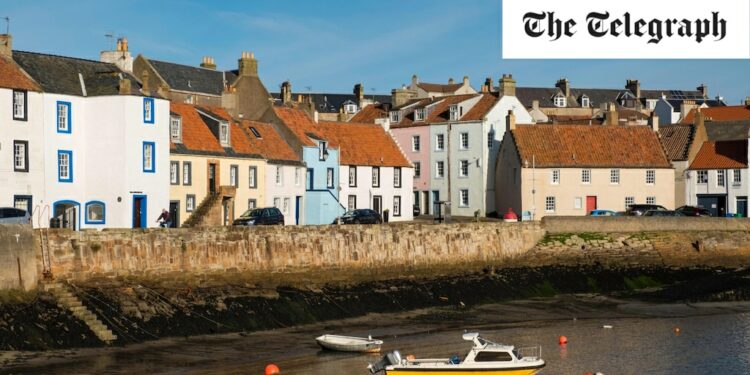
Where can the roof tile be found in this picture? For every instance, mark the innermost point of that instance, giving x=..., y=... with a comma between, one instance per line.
x=721, y=155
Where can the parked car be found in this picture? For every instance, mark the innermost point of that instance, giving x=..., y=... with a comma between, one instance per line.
x=662, y=213
x=602, y=213
x=360, y=216
x=640, y=209
x=260, y=216
x=693, y=211
x=10, y=215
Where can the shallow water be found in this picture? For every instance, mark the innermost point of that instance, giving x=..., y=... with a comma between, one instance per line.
x=713, y=339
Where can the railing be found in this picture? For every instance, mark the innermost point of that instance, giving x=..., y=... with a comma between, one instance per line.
x=529, y=353
x=39, y=212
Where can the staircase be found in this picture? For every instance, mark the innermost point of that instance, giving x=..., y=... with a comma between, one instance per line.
x=210, y=212
x=67, y=300
x=200, y=213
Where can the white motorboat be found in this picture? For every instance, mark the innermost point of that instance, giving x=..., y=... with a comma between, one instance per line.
x=349, y=343
x=485, y=358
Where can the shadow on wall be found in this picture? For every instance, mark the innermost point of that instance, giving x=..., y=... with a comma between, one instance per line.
x=18, y=263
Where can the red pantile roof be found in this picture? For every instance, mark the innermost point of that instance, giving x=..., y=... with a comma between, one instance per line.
x=298, y=122
x=591, y=146
x=238, y=139
x=270, y=144
x=12, y=77
x=196, y=136
x=362, y=144
x=369, y=114
x=440, y=110
x=721, y=155
x=479, y=110
x=728, y=113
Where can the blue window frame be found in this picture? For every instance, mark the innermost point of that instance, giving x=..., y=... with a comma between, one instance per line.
x=149, y=157
x=64, y=166
x=64, y=118
x=148, y=110
x=95, y=213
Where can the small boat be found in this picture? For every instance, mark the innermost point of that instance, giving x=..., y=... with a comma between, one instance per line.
x=349, y=343
x=485, y=358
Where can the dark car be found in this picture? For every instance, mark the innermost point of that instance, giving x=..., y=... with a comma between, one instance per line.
x=693, y=211
x=260, y=216
x=10, y=215
x=360, y=216
x=640, y=209
x=662, y=213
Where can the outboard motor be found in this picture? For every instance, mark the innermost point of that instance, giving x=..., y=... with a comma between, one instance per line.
x=392, y=358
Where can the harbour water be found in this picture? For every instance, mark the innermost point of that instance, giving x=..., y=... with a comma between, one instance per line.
x=713, y=338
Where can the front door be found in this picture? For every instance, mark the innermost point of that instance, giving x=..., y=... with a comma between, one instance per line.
x=212, y=178
x=174, y=213
x=67, y=214
x=297, y=209
x=426, y=202
x=140, y=213
x=717, y=204
x=590, y=204
x=377, y=204
x=742, y=206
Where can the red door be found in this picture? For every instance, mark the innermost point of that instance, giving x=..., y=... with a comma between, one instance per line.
x=590, y=204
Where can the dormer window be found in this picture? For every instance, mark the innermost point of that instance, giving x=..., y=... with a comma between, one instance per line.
x=454, y=113
x=224, y=133
x=350, y=107
x=585, y=102
x=175, y=128
x=395, y=117
x=560, y=101
x=419, y=114
x=322, y=150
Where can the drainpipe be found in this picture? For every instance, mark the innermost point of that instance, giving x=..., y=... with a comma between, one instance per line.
x=450, y=166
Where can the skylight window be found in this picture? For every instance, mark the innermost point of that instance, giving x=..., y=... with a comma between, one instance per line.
x=255, y=132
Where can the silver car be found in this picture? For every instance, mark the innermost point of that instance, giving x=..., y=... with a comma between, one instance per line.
x=10, y=215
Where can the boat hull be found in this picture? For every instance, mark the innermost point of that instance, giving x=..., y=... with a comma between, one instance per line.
x=447, y=371
x=353, y=347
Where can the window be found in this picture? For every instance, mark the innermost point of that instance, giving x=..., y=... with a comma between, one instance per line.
x=415, y=146
x=190, y=202
x=439, y=142
x=277, y=202
x=464, y=141
x=95, y=212
x=224, y=133
x=439, y=169
x=396, y=205
x=174, y=172
x=149, y=154
x=397, y=177
x=251, y=204
x=629, y=201
x=702, y=177
x=555, y=177
x=23, y=202
x=417, y=169
x=736, y=177
x=350, y=108
x=286, y=206
x=279, y=176
x=454, y=112
x=352, y=176
x=419, y=114
x=65, y=166
x=549, y=204
x=463, y=197
x=189, y=99
x=395, y=116
x=585, y=102
x=21, y=156
x=650, y=200
x=187, y=175
x=560, y=101
x=297, y=176
x=578, y=203
x=19, y=105
x=585, y=176
x=463, y=168
x=233, y=170
x=63, y=117
x=322, y=150
x=252, y=178
x=255, y=132
x=329, y=178
x=493, y=357
x=148, y=110
x=375, y=176
x=491, y=139
x=720, y=178
x=175, y=128
x=351, y=202
x=650, y=177
x=614, y=176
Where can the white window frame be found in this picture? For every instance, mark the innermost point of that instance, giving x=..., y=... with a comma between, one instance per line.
x=463, y=141
x=586, y=176
x=375, y=176
x=439, y=169
x=233, y=175
x=416, y=146
x=187, y=173
x=149, y=153
x=463, y=168
x=440, y=142
x=174, y=172
x=19, y=105
x=322, y=150
x=330, y=178
x=352, y=176
x=20, y=153
x=279, y=176
x=395, y=117
x=578, y=203
x=252, y=204
x=224, y=133
x=650, y=200
x=614, y=176
x=417, y=169
x=397, y=177
x=463, y=198
x=555, y=177
x=629, y=201
x=175, y=128
x=277, y=202
x=560, y=101
x=351, y=202
x=701, y=177
x=721, y=178
x=190, y=203
x=736, y=177
x=420, y=114
x=585, y=101
x=650, y=177
x=297, y=176
x=396, y=205
x=550, y=204
x=286, y=204
x=63, y=117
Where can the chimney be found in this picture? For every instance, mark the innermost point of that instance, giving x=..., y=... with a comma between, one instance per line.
x=208, y=63
x=703, y=90
x=507, y=85
x=487, y=87
x=342, y=115
x=402, y=95
x=466, y=81
x=359, y=92
x=611, y=117
x=248, y=65
x=686, y=106
x=414, y=82
x=535, y=105
x=145, y=84
x=286, y=93
x=510, y=121
x=654, y=122
x=450, y=81
x=564, y=85
x=122, y=45
x=120, y=57
x=747, y=101
x=125, y=86
x=634, y=86
x=6, y=45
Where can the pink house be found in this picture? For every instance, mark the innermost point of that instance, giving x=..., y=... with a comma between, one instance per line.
x=414, y=140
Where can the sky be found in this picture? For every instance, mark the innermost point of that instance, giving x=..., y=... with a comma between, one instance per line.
x=329, y=46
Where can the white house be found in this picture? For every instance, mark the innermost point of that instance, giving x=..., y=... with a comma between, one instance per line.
x=717, y=178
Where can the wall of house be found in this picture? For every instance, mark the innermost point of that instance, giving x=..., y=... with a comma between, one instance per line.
x=29, y=183
x=291, y=186
x=608, y=196
x=666, y=113
x=439, y=184
x=475, y=182
x=508, y=183
x=730, y=190
x=403, y=137
x=321, y=202
x=364, y=191
x=680, y=186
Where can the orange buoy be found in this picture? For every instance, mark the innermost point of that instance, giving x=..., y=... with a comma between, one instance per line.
x=272, y=369
x=676, y=330
x=562, y=340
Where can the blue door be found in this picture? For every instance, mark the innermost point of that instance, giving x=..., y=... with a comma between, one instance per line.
x=298, y=208
x=140, y=212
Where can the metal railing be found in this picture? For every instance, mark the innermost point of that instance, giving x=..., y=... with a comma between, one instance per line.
x=529, y=353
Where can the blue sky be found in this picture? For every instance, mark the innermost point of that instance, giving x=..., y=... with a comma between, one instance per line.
x=328, y=46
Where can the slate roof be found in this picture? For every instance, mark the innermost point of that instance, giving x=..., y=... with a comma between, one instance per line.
x=331, y=103
x=191, y=78
x=727, y=113
x=596, y=96
x=12, y=77
x=60, y=75
x=677, y=140
x=579, y=146
x=362, y=144
x=270, y=144
x=727, y=130
x=441, y=88
x=677, y=103
x=721, y=155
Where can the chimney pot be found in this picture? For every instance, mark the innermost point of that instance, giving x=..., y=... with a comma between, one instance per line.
x=6, y=45
x=507, y=86
x=450, y=81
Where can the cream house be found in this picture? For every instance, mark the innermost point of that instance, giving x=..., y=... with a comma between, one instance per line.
x=570, y=170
